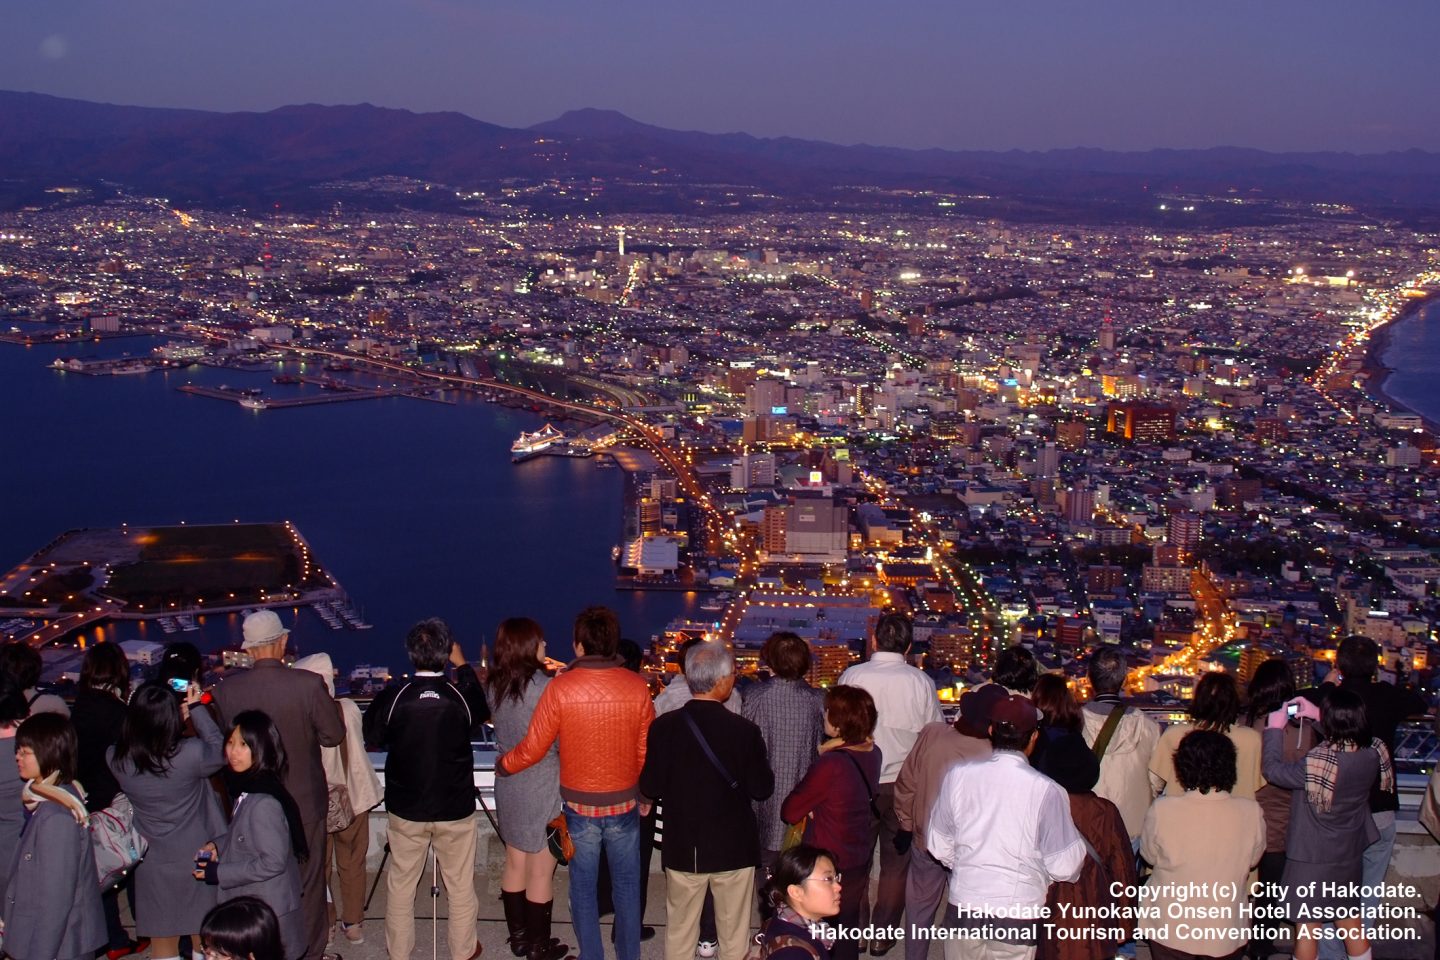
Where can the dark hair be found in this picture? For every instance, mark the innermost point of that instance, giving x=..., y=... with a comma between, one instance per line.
x=1052, y=696
x=243, y=928
x=630, y=653
x=1107, y=670
x=181, y=661
x=791, y=869
x=1271, y=686
x=851, y=711
x=105, y=666
x=22, y=662
x=1216, y=703
x=1343, y=718
x=516, y=640
x=684, y=651
x=1357, y=657
x=13, y=707
x=1205, y=761
x=787, y=654
x=151, y=732
x=428, y=644
x=597, y=632
x=893, y=633
x=1015, y=669
x=267, y=748
x=52, y=737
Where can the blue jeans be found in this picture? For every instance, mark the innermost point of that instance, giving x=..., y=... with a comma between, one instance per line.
x=1374, y=866
x=620, y=837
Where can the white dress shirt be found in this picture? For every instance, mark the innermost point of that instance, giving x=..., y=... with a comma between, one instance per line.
x=1005, y=832
x=905, y=700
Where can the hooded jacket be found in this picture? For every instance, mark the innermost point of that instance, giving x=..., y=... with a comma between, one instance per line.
x=1125, y=778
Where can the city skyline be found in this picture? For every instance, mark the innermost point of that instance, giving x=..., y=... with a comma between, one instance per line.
x=1278, y=77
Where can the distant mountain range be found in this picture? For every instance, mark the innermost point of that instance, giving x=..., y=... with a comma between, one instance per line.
x=240, y=158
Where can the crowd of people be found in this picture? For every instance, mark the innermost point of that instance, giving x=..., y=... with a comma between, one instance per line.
x=1009, y=827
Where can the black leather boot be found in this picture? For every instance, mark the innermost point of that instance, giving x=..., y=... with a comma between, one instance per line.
x=537, y=922
x=519, y=939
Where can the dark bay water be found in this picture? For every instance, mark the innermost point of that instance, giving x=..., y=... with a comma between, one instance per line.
x=1413, y=354
x=414, y=506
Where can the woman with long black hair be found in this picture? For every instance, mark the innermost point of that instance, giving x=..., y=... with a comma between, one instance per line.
x=166, y=776
x=98, y=715
x=528, y=800
x=260, y=854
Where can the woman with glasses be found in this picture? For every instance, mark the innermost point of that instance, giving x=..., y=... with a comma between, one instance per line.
x=241, y=929
x=803, y=890
x=260, y=855
x=166, y=776
x=51, y=908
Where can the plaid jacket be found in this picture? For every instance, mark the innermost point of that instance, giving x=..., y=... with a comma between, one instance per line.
x=791, y=718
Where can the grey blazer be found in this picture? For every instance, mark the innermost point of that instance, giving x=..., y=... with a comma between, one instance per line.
x=257, y=860
x=304, y=713
x=52, y=894
x=176, y=812
x=1339, y=835
x=12, y=812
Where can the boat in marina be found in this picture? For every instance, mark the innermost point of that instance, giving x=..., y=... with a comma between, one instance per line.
x=533, y=444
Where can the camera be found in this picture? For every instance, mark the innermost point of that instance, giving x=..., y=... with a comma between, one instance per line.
x=1292, y=710
x=179, y=684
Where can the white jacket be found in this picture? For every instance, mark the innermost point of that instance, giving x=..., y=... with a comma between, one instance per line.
x=1125, y=778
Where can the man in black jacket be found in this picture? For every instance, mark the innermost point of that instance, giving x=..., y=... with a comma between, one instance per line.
x=708, y=765
x=426, y=725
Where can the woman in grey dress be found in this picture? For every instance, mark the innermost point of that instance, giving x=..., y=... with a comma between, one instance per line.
x=525, y=802
x=1330, y=822
x=166, y=778
x=260, y=854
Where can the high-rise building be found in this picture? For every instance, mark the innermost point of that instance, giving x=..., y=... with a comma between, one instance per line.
x=1079, y=505
x=1107, y=336
x=765, y=398
x=1140, y=422
x=1047, y=461
x=1072, y=434
x=1184, y=529
x=752, y=470
x=828, y=659
x=772, y=533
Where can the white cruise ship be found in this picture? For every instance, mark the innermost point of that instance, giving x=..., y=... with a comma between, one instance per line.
x=533, y=444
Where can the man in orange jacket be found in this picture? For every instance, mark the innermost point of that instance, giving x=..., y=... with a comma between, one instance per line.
x=600, y=713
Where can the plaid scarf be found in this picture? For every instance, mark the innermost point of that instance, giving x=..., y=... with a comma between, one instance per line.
x=1322, y=767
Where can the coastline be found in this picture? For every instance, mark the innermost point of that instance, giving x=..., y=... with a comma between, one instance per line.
x=1376, y=372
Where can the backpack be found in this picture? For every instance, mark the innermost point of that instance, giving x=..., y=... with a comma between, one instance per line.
x=761, y=946
x=115, y=843
x=118, y=846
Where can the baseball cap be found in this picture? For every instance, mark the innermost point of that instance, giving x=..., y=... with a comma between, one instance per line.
x=975, y=707
x=261, y=628
x=1019, y=712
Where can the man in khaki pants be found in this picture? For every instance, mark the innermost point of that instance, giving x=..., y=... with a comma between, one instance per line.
x=426, y=725
x=707, y=765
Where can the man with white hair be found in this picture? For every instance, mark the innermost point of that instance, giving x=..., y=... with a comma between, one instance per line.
x=707, y=765
x=308, y=718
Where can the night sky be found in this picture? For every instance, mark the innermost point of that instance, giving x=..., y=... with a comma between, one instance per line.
x=982, y=74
